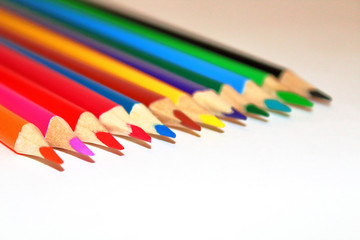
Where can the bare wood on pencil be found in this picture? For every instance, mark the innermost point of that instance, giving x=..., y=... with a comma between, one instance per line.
x=30, y=141
x=113, y=121
x=59, y=134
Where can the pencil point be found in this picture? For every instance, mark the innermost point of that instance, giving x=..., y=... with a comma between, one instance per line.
x=139, y=133
x=235, y=114
x=211, y=120
x=108, y=139
x=293, y=98
x=165, y=131
x=276, y=105
x=251, y=108
x=49, y=154
x=316, y=93
x=186, y=121
x=80, y=147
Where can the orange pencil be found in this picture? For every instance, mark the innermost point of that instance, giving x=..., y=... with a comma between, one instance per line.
x=23, y=137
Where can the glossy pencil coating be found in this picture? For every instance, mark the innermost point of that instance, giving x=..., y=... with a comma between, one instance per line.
x=107, y=30
x=120, y=73
x=236, y=74
x=239, y=101
x=85, y=125
x=113, y=98
x=235, y=55
x=24, y=137
x=108, y=112
x=51, y=126
x=210, y=101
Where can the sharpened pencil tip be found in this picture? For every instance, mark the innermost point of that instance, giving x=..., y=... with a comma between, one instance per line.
x=211, y=120
x=316, y=93
x=251, y=108
x=276, y=105
x=80, y=147
x=109, y=140
x=139, y=133
x=164, y=131
x=235, y=114
x=293, y=98
x=186, y=121
x=49, y=154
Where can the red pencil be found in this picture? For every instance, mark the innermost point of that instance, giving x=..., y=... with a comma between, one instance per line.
x=113, y=116
x=85, y=125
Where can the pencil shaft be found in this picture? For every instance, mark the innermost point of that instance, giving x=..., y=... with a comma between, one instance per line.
x=192, y=38
x=242, y=69
x=113, y=33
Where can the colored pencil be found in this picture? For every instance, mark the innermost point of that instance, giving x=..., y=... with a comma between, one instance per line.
x=56, y=130
x=62, y=11
x=109, y=113
x=206, y=97
x=284, y=75
x=24, y=137
x=181, y=120
x=85, y=125
x=239, y=102
x=225, y=91
x=74, y=51
x=264, y=79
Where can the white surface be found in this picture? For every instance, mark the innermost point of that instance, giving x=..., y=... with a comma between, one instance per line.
x=290, y=178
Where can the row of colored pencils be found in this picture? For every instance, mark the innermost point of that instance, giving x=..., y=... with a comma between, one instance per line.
x=73, y=72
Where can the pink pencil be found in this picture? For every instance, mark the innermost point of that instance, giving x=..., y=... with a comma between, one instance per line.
x=56, y=130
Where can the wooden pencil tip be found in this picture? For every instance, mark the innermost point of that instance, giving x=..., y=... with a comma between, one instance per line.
x=80, y=147
x=186, y=121
x=236, y=114
x=316, y=93
x=49, y=154
x=139, y=133
x=109, y=140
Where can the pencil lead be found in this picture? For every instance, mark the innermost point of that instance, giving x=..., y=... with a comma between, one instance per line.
x=235, y=114
x=165, y=131
x=276, y=105
x=109, y=140
x=80, y=147
x=139, y=133
x=316, y=93
x=293, y=98
x=186, y=121
x=211, y=120
x=251, y=108
x=49, y=154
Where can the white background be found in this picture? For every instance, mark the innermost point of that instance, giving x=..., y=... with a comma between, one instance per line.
x=294, y=177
